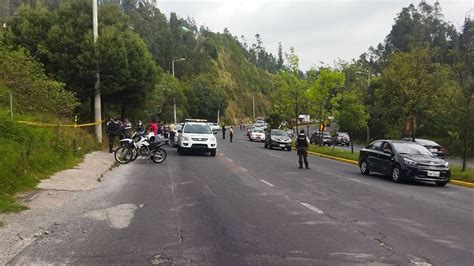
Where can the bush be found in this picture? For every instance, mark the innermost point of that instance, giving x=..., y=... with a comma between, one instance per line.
x=31, y=153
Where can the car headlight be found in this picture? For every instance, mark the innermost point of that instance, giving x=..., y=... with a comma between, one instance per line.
x=409, y=162
x=446, y=164
x=186, y=138
x=212, y=138
x=274, y=139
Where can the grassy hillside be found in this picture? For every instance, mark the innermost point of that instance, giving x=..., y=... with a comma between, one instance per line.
x=241, y=78
x=31, y=153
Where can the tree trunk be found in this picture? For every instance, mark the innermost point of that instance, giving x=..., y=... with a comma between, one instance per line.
x=352, y=143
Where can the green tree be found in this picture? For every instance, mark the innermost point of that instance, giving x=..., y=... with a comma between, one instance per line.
x=349, y=113
x=322, y=87
x=210, y=96
x=413, y=86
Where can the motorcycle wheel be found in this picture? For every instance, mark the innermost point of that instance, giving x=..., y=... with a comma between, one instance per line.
x=123, y=155
x=159, y=155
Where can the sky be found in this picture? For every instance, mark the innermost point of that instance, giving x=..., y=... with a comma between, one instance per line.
x=320, y=31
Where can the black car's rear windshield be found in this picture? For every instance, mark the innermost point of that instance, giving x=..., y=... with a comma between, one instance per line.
x=280, y=133
x=411, y=148
x=197, y=129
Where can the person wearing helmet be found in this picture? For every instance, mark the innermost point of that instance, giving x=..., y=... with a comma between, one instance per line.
x=140, y=127
x=302, y=144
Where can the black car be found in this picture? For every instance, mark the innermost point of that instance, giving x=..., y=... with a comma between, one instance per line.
x=318, y=138
x=278, y=138
x=403, y=160
x=432, y=146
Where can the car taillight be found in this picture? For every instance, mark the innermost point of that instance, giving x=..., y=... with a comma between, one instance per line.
x=442, y=149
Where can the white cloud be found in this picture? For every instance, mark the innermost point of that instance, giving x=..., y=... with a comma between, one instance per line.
x=319, y=30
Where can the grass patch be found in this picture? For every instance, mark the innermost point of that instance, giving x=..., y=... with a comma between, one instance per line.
x=467, y=176
x=336, y=152
x=31, y=153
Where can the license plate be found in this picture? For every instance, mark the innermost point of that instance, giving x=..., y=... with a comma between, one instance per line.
x=433, y=173
x=282, y=145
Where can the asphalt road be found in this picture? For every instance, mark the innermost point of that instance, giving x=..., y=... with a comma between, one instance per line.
x=254, y=206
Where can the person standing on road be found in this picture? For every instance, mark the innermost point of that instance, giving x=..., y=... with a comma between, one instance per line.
x=302, y=144
x=127, y=128
x=154, y=127
x=231, y=133
x=112, y=129
x=172, y=132
x=223, y=131
x=140, y=128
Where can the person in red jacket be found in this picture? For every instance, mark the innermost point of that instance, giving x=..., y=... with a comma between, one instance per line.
x=154, y=127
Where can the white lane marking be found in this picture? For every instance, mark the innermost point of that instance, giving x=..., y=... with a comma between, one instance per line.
x=358, y=181
x=311, y=207
x=266, y=182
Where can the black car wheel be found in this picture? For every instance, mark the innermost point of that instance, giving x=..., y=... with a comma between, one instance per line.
x=397, y=174
x=441, y=183
x=364, y=168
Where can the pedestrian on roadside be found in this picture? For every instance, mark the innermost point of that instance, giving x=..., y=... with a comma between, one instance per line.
x=302, y=144
x=140, y=127
x=127, y=128
x=223, y=131
x=172, y=132
x=166, y=131
x=112, y=130
x=121, y=134
x=240, y=126
x=154, y=127
x=231, y=133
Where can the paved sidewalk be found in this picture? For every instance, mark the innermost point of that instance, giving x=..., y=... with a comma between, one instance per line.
x=22, y=228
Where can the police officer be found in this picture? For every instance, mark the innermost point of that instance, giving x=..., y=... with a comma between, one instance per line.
x=302, y=144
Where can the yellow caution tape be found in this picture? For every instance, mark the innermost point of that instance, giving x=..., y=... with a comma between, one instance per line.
x=58, y=125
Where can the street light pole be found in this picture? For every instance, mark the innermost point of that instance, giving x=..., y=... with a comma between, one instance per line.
x=174, y=92
x=253, y=104
x=368, y=88
x=97, y=98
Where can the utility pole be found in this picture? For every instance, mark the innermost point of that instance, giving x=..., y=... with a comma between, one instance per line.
x=97, y=98
x=253, y=104
x=174, y=92
x=218, y=116
x=368, y=89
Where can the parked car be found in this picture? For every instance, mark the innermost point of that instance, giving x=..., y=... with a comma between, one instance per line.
x=403, y=160
x=257, y=134
x=214, y=127
x=343, y=139
x=432, y=146
x=197, y=136
x=278, y=138
x=325, y=139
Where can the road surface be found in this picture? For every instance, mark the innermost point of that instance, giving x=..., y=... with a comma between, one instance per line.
x=250, y=206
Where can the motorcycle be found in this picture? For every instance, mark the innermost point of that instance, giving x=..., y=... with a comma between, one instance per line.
x=141, y=145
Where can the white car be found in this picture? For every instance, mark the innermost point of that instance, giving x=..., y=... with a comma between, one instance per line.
x=197, y=136
x=257, y=134
x=214, y=126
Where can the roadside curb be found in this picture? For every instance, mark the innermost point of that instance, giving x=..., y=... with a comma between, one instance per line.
x=453, y=181
x=334, y=158
x=462, y=183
